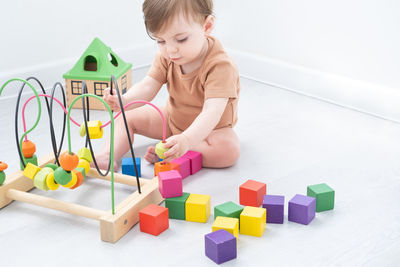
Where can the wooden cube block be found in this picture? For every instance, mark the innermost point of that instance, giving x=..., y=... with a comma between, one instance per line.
x=198, y=208
x=228, y=209
x=324, y=195
x=153, y=219
x=184, y=164
x=176, y=206
x=229, y=224
x=170, y=184
x=302, y=209
x=129, y=169
x=220, y=246
x=251, y=193
x=165, y=166
x=95, y=132
x=275, y=207
x=31, y=170
x=253, y=221
x=195, y=161
x=84, y=153
x=32, y=160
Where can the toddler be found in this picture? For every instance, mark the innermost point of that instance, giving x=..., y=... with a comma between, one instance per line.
x=202, y=82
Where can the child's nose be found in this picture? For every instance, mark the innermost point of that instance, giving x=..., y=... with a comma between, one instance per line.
x=172, y=49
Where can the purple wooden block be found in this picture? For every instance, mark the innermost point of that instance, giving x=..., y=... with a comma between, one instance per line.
x=184, y=164
x=170, y=184
x=195, y=161
x=302, y=209
x=220, y=246
x=275, y=206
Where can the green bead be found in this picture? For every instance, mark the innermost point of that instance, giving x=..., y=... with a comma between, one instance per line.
x=81, y=170
x=324, y=195
x=32, y=160
x=39, y=180
x=52, y=165
x=2, y=177
x=176, y=206
x=228, y=209
x=61, y=176
x=160, y=149
x=84, y=153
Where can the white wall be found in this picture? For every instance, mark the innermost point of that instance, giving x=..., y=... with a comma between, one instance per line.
x=343, y=51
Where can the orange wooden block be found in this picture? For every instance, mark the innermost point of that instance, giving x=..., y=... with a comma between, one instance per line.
x=28, y=149
x=153, y=219
x=166, y=166
x=251, y=193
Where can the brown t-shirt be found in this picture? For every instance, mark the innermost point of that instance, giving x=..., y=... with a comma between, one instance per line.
x=217, y=77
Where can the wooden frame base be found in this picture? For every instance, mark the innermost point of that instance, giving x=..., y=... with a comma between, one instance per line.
x=112, y=226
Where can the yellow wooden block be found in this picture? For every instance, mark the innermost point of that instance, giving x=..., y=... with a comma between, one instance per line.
x=227, y=223
x=253, y=221
x=198, y=208
x=83, y=163
x=95, y=132
x=31, y=170
x=84, y=153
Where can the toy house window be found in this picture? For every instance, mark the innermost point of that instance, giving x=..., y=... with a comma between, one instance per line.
x=90, y=63
x=113, y=60
x=123, y=84
x=99, y=88
x=76, y=87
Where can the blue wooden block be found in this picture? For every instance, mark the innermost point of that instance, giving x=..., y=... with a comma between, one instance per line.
x=128, y=168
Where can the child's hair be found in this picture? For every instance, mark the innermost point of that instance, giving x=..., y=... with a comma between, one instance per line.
x=158, y=13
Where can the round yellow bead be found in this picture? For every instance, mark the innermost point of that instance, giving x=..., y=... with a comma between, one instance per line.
x=160, y=149
x=73, y=181
x=83, y=163
x=51, y=183
x=82, y=130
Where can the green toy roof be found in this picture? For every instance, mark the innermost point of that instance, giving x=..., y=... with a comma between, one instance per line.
x=98, y=63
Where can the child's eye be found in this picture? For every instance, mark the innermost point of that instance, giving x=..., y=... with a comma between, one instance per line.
x=160, y=42
x=182, y=40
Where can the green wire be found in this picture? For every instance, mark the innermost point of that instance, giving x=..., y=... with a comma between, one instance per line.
x=39, y=113
x=111, y=139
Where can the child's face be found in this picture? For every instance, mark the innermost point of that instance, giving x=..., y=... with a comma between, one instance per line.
x=182, y=41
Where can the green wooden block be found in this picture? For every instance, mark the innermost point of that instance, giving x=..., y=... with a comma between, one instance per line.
x=228, y=209
x=32, y=160
x=325, y=196
x=176, y=206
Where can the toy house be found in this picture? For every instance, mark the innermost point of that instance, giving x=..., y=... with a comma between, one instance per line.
x=95, y=67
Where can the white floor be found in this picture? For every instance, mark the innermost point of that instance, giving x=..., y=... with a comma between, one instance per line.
x=288, y=141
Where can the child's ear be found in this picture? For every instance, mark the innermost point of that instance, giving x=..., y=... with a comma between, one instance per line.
x=209, y=24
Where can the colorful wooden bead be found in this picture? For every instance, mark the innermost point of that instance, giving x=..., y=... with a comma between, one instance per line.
x=80, y=178
x=83, y=163
x=32, y=160
x=73, y=181
x=39, y=181
x=28, y=148
x=69, y=161
x=31, y=170
x=62, y=176
x=160, y=149
x=82, y=130
x=52, y=165
x=84, y=153
x=3, y=166
x=95, y=130
x=2, y=177
x=50, y=182
x=81, y=170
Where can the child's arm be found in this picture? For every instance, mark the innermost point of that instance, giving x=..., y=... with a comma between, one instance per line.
x=200, y=128
x=146, y=90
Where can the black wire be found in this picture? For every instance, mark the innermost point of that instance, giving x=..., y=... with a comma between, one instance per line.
x=113, y=81
x=84, y=91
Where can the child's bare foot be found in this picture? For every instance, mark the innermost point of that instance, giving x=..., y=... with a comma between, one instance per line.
x=151, y=155
x=102, y=162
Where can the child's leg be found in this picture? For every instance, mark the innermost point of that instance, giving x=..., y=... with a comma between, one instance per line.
x=144, y=120
x=220, y=149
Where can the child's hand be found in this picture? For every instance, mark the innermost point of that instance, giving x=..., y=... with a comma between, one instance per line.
x=178, y=145
x=112, y=99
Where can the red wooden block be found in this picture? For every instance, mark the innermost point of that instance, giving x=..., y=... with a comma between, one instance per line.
x=251, y=193
x=153, y=219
